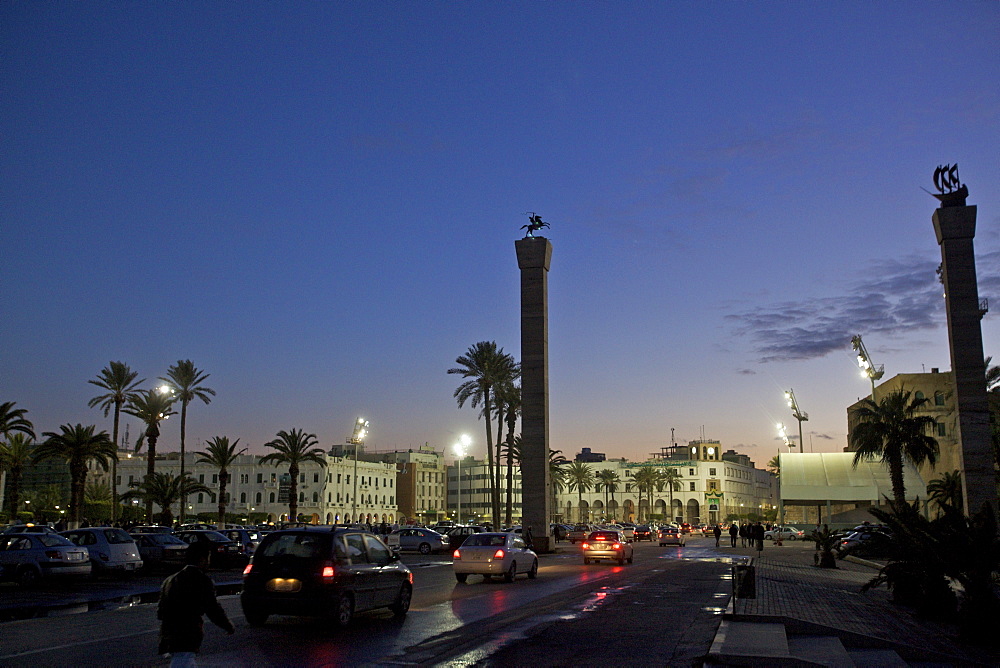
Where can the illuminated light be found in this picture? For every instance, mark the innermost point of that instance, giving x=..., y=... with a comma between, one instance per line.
x=617, y=546
x=410, y=577
x=246, y=571
x=456, y=555
x=586, y=546
x=328, y=571
x=498, y=554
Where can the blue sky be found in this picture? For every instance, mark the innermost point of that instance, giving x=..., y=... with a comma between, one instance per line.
x=317, y=204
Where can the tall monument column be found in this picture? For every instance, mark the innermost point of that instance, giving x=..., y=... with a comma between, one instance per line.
x=955, y=227
x=533, y=257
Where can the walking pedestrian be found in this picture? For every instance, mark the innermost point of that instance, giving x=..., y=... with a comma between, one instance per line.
x=185, y=597
x=734, y=531
x=717, y=532
x=758, y=536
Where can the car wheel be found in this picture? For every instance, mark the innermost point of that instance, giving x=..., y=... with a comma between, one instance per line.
x=461, y=577
x=533, y=573
x=255, y=617
x=402, y=604
x=791, y=538
x=621, y=561
x=487, y=578
x=425, y=548
x=345, y=610
x=28, y=577
x=630, y=559
x=511, y=572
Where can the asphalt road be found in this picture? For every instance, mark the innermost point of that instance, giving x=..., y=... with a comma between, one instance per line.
x=475, y=623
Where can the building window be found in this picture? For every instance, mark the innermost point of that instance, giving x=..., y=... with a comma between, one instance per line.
x=338, y=478
x=272, y=497
x=260, y=478
x=302, y=497
x=302, y=477
x=711, y=471
x=940, y=429
x=939, y=398
x=692, y=486
x=315, y=497
x=215, y=478
x=243, y=497
x=918, y=395
x=315, y=477
x=690, y=471
x=258, y=498
x=201, y=498
x=201, y=478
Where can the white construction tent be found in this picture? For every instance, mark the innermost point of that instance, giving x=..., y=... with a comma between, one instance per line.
x=822, y=479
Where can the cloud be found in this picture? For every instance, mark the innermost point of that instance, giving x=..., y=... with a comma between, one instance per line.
x=906, y=297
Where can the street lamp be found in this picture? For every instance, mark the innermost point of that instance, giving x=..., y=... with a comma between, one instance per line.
x=797, y=414
x=868, y=368
x=356, y=439
x=783, y=433
x=460, y=452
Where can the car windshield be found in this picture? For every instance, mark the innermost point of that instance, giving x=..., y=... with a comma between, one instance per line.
x=581, y=527
x=486, y=540
x=166, y=539
x=216, y=537
x=52, y=540
x=301, y=545
x=604, y=535
x=116, y=536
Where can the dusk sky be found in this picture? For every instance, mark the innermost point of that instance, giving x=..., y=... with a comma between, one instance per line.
x=317, y=204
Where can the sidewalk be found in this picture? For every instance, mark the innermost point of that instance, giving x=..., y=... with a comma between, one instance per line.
x=790, y=587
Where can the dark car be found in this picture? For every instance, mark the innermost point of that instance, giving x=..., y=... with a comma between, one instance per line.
x=160, y=550
x=871, y=543
x=247, y=539
x=459, y=534
x=225, y=554
x=643, y=532
x=331, y=572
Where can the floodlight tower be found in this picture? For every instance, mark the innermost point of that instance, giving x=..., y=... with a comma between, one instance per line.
x=783, y=433
x=797, y=414
x=868, y=368
x=356, y=439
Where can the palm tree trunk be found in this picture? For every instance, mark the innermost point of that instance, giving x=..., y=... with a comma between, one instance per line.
x=510, y=479
x=499, y=484
x=494, y=509
x=114, y=466
x=78, y=478
x=150, y=469
x=579, y=504
x=896, y=476
x=184, y=407
x=223, y=482
x=293, y=494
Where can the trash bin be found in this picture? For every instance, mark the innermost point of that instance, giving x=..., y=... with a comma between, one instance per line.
x=745, y=580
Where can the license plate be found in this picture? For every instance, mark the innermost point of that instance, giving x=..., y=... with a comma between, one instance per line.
x=283, y=586
x=74, y=556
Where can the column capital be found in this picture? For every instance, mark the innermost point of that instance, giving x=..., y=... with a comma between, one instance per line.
x=954, y=222
x=533, y=253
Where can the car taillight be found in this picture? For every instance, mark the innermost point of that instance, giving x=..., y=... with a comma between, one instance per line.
x=456, y=554
x=410, y=577
x=328, y=570
x=246, y=571
x=586, y=546
x=53, y=554
x=617, y=546
x=498, y=554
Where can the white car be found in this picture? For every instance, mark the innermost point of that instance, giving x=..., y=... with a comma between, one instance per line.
x=494, y=554
x=670, y=536
x=787, y=533
x=111, y=549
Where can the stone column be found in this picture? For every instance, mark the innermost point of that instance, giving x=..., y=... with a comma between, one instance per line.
x=533, y=257
x=955, y=227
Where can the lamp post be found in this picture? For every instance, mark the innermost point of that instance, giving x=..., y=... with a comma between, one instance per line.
x=783, y=433
x=798, y=415
x=868, y=368
x=356, y=439
x=460, y=452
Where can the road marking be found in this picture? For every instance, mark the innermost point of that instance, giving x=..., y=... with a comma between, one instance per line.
x=52, y=648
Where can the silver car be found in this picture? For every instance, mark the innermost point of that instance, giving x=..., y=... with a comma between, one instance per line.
x=607, y=545
x=29, y=557
x=423, y=541
x=490, y=554
x=670, y=536
x=111, y=549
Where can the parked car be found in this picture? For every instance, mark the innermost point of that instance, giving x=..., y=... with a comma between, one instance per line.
x=424, y=541
x=609, y=545
x=330, y=572
x=111, y=549
x=643, y=532
x=28, y=557
x=226, y=553
x=458, y=534
x=495, y=554
x=150, y=528
x=579, y=533
x=871, y=543
x=786, y=533
x=559, y=531
x=29, y=528
x=160, y=550
x=247, y=539
x=671, y=536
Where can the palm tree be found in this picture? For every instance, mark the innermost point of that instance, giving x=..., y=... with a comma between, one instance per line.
x=580, y=478
x=151, y=407
x=671, y=479
x=15, y=455
x=891, y=432
x=946, y=490
x=486, y=366
x=221, y=454
x=78, y=446
x=119, y=381
x=293, y=448
x=12, y=419
x=186, y=380
x=164, y=489
x=645, y=480
x=557, y=477
x=607, y=480
x=508, y=396
x=774, y=466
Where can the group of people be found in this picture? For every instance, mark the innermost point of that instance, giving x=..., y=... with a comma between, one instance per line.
x=747, y=533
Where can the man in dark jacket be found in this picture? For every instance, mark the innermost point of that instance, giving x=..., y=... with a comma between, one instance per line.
x=734, y=531
x=717, y=532
x=184, y=597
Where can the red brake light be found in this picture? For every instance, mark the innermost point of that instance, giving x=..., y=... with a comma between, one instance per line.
x=246, y=571
x=53, y=554
x=456, y=555
x=410, y=577
x=586, y=546
x=617, y=546
x=498, y=554
x=328, y=571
